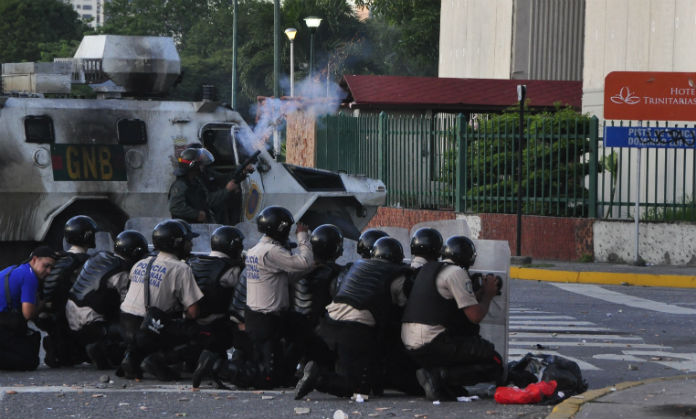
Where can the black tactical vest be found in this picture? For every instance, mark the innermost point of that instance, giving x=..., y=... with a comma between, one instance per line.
x=90, y=287
x=208, y=270
x=60, y=280
x=426, y=306
x=312, y=293
x=366, y=286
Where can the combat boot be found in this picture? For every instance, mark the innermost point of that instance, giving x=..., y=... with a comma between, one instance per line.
x=155, y=364
x=96, y=352
x=129, y=367
x=205, y=367
x=309, y=379
x=430, y=381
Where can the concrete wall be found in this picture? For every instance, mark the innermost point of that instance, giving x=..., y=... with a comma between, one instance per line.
x=475, y=38
x=635, y=35
x=660, y=243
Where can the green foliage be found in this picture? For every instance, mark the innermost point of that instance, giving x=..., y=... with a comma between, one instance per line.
x=672, y=214
x=26, y=25
x=553, y=170
x=405, y=35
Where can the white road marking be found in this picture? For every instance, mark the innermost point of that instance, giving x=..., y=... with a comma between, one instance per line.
x=542, y=317
x=588, y=344
x=582, y=364
x=556, y=328
x=618, y=357
x=600, y=293
x=551, y=322
x=687, y=365
x=604, y=338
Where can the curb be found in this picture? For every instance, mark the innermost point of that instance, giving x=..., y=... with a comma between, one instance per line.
x=572, y=405
x=606, y=278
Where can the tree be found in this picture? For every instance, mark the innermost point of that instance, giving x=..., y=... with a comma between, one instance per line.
x=26, y=24
x=406, y=33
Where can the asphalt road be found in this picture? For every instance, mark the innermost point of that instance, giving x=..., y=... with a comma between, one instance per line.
x=615, y=333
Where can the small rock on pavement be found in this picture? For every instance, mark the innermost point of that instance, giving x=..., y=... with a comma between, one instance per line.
x=340, y=414
x=266, y=397
x=302, y=410
x=104, y=378
x=632, y=367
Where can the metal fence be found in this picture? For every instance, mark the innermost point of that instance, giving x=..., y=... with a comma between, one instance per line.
x=470, y=165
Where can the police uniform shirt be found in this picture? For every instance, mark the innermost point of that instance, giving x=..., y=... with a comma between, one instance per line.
x=348, y=313
x=268, y=269
x=172, y=285
x=418, y=262
x=78, y=317
x=452, y=283
x=229, y=279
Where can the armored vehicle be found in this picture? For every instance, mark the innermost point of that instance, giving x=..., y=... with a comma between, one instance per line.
x=112, y=157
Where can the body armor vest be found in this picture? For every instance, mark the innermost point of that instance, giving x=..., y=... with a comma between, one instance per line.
x=90, y=287
x=60, y=280
x=426, y=306
x=208, y=270
x=366, y=287
x=312, y=293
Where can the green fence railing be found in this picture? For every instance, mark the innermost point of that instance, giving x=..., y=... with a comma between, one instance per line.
x=470, y=165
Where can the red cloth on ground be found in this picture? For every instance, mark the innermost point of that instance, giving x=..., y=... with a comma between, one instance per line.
x=533, y=393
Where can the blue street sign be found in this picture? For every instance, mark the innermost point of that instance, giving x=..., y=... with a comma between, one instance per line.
x=650, y=137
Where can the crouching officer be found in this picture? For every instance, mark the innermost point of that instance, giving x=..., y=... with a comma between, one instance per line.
x=269, y=267
x=367, y=240
x=80, y=233
x=19, y=345
x=314, y=291
x=354, y=327
x=217, y=275
x=162, y=287
x=92, y=309
x=441, y=324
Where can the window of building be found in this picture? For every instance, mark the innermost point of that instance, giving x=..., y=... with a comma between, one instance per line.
x=87, y=7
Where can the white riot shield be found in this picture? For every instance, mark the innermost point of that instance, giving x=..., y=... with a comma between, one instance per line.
x=493, y=256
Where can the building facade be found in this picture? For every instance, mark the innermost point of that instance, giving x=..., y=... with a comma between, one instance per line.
x=90, y=11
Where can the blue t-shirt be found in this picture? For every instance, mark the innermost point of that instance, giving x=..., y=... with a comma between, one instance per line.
x=23, y=286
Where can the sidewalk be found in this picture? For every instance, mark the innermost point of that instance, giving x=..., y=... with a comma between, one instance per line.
x=607, y=273
x=651, y=398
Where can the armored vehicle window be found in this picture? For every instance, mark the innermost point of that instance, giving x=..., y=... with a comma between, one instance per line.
x=217, y=139
x=39, y=129
x=131, y=131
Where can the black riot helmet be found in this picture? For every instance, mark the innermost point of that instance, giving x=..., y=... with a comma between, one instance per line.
x=275, y=222
x=193, y=158
x=80, y=230
x=227, y=240
x=131, y=245
x=461, y=250
x=367, y=241
x=426, y=242
x=388, y=248
x=327, y=242
x=170, y=236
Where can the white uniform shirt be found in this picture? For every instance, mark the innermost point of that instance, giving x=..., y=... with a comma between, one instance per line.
x=172, y=285
x=270, y=267
x=452, y=282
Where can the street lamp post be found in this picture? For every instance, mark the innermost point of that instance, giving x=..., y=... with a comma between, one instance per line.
x=312, y=23
x=290, y=33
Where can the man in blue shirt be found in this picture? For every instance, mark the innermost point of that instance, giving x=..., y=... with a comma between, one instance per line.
x=20, y=350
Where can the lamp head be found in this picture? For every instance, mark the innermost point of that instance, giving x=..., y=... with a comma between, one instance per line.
x=290, y=33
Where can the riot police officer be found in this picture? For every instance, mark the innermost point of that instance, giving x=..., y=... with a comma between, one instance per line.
x=162, y=295
x=367, y=240
x=217, y=275
x=189, y=197
x=93, y=305
x=80, y=233
x=426, y=245
x=270, y=266
x=441, y=324
x=354, y=327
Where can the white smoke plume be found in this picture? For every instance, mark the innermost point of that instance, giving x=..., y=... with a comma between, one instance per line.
x=312, y=96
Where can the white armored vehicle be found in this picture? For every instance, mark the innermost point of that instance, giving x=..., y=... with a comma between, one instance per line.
x=113, y=157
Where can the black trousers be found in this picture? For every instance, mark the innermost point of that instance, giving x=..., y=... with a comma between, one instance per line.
x=140, y=344
x=465, y=360
x=355, y=347
x=19, y=353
